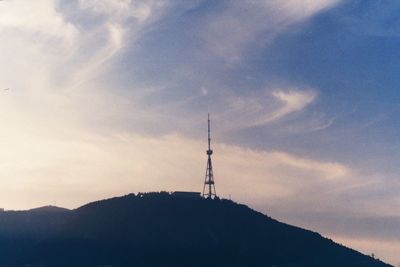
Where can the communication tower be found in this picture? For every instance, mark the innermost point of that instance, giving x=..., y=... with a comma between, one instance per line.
x=209, y=184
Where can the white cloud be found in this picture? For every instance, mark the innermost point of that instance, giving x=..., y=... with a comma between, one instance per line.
x=292, y=101
x=33, y=35
x=38, y=17
x=65, y=53
x=59, y=57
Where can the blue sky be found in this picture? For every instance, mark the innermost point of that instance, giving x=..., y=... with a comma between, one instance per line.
x=110, y=97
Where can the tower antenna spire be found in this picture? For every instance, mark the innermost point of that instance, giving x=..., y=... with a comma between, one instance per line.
x=209, y=184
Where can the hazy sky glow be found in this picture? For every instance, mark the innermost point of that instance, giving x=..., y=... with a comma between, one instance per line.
x=109, y=97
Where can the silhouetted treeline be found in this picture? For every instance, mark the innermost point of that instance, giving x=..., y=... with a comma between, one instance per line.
x=158, y=229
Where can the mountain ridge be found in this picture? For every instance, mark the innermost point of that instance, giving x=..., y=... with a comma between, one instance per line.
x=154, y=229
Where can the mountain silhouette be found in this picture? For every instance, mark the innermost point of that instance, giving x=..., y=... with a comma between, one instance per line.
x=162, y=229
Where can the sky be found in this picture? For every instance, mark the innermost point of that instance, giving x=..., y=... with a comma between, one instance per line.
x=109, y=97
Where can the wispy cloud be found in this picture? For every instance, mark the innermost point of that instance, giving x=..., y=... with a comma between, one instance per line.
x=292, y=101
x=266, y=107
x=241, y=23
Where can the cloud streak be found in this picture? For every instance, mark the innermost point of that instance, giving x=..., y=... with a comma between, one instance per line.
x=292, y=101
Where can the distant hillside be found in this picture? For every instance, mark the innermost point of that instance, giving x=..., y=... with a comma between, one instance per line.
x=49, y=209
x=158, y=229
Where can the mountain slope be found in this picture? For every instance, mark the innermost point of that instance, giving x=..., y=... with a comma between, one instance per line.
x=159, y=229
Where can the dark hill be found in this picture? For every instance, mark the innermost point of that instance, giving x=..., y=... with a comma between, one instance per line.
x=159, y=229
x=49, y=209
